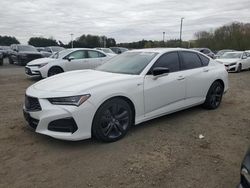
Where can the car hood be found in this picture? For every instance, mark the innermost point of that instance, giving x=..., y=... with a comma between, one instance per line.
x=74, y=83
x=227, y=61
x=40, y=61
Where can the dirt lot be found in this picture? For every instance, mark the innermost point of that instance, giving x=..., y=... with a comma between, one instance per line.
x=165, y=152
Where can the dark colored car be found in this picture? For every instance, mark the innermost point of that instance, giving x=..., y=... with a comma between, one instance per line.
x=50, y=50
x=22, y=54
x=245, y=172
x=118, y=50
x=205, y=51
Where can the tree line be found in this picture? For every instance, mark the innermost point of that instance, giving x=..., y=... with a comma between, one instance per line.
x=232, y=36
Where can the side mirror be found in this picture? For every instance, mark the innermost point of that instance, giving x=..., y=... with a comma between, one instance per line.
x=160, y=70
x=70, y=58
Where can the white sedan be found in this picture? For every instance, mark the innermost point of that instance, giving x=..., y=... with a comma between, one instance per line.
x=66, y=60
x=131, y=88
x=235, y=61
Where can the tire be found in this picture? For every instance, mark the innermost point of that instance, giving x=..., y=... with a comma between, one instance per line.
x=239, y=68
x=54, y=70
x=112, y=120
x=214, y=96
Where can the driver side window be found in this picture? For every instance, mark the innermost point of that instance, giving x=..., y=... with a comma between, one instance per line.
x=80, y=54
x=168, y=60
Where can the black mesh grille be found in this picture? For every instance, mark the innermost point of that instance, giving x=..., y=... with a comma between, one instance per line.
x=32, y=104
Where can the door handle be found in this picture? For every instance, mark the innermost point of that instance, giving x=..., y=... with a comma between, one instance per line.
x=205, y=70
x=181, y=78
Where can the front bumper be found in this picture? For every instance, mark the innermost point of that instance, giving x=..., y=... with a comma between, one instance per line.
x=32, y=71
x=82, y=116
x=231, y=68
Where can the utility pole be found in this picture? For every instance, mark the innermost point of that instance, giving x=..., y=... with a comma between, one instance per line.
x=72, y=40
x=163, y=36
x=181, y=31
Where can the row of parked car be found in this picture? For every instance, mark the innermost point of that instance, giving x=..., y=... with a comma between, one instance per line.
x=22, y=54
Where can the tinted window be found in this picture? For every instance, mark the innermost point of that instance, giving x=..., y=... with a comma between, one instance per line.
x=78, y=54
x=190, y=60
x=170, y=61
x=204, y=60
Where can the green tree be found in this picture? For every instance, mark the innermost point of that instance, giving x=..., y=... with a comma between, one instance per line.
x=42, y=42
x=8, y=40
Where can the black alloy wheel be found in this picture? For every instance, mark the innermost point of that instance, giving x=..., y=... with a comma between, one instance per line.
x=214, y=96
x=54, y=70
x=112, y=120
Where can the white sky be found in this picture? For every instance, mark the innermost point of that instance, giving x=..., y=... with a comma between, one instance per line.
x=124, y=20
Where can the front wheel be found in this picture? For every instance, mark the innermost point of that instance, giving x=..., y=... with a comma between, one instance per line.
x=112, y=120
x=214, y=96
x=54, y=70
x=239, y=68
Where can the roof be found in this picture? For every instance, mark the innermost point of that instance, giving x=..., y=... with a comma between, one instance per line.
x=161, y=50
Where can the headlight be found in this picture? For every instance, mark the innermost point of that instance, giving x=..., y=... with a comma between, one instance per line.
x=232, y=64
x=74, y=100
x=42, y=65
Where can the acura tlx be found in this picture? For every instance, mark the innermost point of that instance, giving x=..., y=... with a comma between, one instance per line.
x=129, y=89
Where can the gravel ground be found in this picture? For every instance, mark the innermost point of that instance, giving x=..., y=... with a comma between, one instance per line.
x=165, y=152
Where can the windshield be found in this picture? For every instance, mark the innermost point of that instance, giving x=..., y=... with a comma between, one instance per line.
x=221, y=52
x=57, y=48
x=128, y=63
x=61, y=54
x=230, y=55
x=107, y=50
x=27, y=48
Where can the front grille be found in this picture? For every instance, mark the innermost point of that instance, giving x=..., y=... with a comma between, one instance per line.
x=32, y=104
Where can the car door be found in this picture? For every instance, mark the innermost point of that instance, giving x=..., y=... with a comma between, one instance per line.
x=245, y=60
x=95, y=58
x=76, y=60
x=164, y=93
x=198, y=76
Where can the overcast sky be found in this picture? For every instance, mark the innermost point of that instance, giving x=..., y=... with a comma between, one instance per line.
x=125, y=20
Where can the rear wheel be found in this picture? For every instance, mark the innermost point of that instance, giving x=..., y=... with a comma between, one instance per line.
x=214, y=96
x=112, y=120
x=54, y=70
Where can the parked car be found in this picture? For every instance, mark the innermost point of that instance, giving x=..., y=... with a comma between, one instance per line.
x=50, y=50
x=118, y=50
x=206, y=51
x=22, y=54
x=107, y=51
x=245, y=172
x=130, y=88
x=5, y=50
x=235, y=61
x=221, y=52
x=66, y=60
